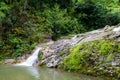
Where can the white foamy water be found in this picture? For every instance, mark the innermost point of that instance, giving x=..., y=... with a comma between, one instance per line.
x=32, y=60
x=116, y=29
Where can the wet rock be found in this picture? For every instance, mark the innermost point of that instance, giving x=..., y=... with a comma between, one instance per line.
x=50, y=58
x=22, y=58
x=52, y=52
x=9, y=61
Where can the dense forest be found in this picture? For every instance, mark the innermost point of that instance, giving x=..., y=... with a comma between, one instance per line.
x=25, y=23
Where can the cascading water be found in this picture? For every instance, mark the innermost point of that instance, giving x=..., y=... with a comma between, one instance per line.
x=116, y=29
x=32, y=60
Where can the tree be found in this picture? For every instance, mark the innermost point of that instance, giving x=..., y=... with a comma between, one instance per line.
x=3, y=11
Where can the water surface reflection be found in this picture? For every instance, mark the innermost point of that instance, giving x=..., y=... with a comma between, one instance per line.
x=35, y=73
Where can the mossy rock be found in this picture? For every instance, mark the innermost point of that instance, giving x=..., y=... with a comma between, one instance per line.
x=94, y=58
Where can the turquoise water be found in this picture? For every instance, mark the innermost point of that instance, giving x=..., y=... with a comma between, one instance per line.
x=37, y=73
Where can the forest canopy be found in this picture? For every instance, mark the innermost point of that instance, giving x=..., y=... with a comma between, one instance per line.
x=24, y=23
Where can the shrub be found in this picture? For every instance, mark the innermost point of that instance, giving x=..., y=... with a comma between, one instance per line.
x=59, y=23
x=4, y=9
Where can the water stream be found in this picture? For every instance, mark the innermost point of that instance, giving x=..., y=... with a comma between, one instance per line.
x=37, y=73
x=32, y=60
x=27, y=71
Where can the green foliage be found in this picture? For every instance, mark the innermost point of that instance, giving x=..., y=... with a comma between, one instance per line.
x=87, y=56
x=24, y=23
x=19, y=35
x=37, y=4
x=94, y=15
x=76, y=61
x=3, y=10
x=107, y=47
x=59, y=23
x=109, y=57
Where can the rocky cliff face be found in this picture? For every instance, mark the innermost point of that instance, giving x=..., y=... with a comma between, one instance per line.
x=55, y=51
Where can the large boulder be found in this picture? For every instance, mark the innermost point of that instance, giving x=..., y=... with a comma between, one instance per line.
x=50, y=53
x=54, y=53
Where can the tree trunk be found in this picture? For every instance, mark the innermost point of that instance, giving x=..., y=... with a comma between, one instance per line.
x=10, y=1
x=25, y=4
x=0, y=31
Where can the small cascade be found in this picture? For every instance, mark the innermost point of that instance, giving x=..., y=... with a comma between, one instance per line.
x=116, y=29
x=32, y=60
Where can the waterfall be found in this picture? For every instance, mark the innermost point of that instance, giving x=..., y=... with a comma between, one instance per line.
x=116, y=29
x=32, y=60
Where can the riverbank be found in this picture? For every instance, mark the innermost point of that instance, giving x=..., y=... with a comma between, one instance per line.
x=95, y=53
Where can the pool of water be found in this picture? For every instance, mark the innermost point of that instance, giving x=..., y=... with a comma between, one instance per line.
x=37, y=73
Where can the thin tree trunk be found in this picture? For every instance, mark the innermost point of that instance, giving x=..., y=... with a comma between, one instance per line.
x=10, y=1
x=0, y=31
x=25, y=4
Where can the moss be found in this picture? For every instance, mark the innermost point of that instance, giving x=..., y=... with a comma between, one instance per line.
x=1, y=62
x=106, y=47
x=40, y=56
x=109, y=57
x=93, y=58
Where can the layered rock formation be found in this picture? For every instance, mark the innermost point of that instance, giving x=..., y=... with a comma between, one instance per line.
x=54, y=53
